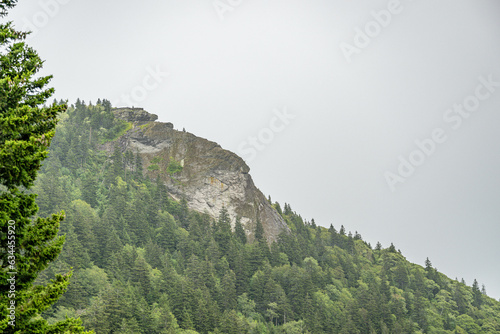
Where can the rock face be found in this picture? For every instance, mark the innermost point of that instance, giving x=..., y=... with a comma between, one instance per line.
x=134, y=115
x=207, y=176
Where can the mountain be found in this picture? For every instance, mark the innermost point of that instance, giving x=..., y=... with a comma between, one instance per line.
x=152, y=255
x=207, y=177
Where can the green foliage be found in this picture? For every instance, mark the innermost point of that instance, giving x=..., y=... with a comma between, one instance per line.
x=239, y=231
x=153, y=167
x=156, y=160
x=259, y=231
x=28, y=244
x=154, y=266
x=119, y=128
x=173, y=167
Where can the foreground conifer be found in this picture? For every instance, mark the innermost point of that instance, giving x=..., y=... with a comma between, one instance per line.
x=27, y=245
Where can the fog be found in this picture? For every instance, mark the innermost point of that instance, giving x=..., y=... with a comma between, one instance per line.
x=380, y=116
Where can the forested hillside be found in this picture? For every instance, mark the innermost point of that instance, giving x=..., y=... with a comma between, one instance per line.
x=144, y=263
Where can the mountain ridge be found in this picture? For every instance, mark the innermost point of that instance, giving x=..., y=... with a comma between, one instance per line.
x=145, y=263
x=208, y=177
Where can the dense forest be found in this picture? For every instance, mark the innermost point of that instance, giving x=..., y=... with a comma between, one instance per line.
x=144, y=263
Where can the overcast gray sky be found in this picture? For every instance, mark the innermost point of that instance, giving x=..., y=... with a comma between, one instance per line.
x=378, y=115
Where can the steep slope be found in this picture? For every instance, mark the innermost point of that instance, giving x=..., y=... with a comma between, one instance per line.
x=145, y=263
x=198, y=170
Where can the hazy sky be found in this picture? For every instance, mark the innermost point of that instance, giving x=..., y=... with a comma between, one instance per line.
x=379, y=115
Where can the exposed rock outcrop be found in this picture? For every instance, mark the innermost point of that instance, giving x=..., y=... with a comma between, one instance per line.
x=210, y=177
x=134, y=115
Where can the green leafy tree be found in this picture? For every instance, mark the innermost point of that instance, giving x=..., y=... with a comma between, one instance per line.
x=28, y=245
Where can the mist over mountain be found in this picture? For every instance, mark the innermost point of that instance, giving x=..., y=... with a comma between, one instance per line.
x=222, y=71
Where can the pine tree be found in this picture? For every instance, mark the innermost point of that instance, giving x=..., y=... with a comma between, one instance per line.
x=476, y=294
x=342, y=230
x=259, y=231
x=49, y=187
x=138, y=166
x=239, y=231
x=391, y=248
x=28, y=245
x=84, y=219
x=228, y=285
x=89, y=189
x=74, y=252
x=223, y=233
x=428, y=265
x=117, y=158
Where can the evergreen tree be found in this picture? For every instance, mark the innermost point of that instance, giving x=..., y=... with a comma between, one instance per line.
x=342, y=230
x=428, y=265
x=476, y=294
x=259, y=231
x=49, y=186
x=223, y=231
x=28, y=245
x=74, y=252
x=89, y=189
x=84, y=220
x=313, y=280
x=278, y=208
x=228, y=285
x=239, y=231
x=138, y=166
x=117, y=159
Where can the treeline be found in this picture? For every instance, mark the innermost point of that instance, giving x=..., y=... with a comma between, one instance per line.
x=144, y=263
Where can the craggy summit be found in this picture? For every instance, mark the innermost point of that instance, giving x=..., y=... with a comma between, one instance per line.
x=198, y=170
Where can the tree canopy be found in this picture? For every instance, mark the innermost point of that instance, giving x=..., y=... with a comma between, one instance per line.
x=145, y=263
x=28, y=244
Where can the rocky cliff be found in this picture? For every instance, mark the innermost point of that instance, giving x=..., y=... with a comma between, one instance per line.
x=199, y=170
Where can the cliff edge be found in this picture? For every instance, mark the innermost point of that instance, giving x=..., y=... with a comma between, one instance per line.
x=206, y=175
